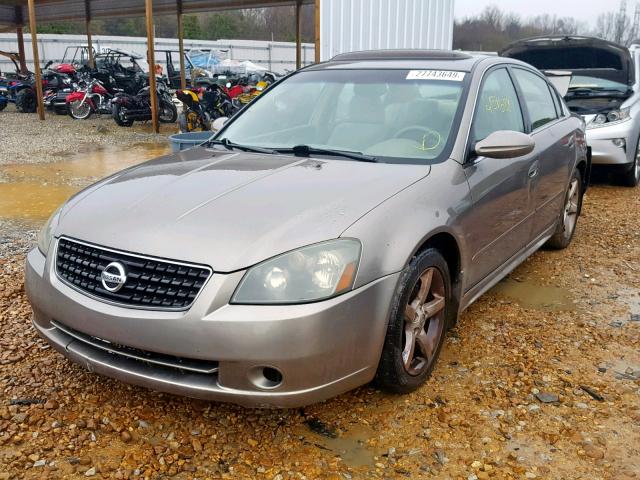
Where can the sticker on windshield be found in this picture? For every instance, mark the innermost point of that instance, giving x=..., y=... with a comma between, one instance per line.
x=450, y=75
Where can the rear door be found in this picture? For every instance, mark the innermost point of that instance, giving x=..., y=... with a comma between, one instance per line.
x=500, y=225
x=555, y=142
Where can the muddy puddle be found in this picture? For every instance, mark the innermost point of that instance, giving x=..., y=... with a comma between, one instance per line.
x=350, y=446
x=31, y=192
x=530, y=293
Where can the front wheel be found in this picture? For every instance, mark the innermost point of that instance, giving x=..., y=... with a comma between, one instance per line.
x=568, y=220
x=79, y=110
x=26, y=101
x=631, y=177
x=120, y=116
x=417, y=325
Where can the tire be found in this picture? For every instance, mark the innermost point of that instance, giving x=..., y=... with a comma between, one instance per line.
x=631, y=177
x=119, y=116
x=80, y=112
x=568, y=219
x=26, y=101
x=167, y=112
x=3, y=105
x=401, y=369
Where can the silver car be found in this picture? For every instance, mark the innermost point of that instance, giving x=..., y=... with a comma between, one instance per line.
x=603, y=87
x=329, y=235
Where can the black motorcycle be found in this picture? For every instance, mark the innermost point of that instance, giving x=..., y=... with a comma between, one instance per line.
x=137, y=108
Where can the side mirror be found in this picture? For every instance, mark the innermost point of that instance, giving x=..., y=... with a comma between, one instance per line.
x=505, y=144
x=218, y=123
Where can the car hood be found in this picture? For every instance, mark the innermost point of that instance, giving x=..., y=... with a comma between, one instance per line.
x=230, y=210
x=588, y=56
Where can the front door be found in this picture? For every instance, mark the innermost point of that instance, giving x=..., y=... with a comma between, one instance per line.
x=500, y=222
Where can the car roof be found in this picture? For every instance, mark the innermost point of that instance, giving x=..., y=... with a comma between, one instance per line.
x=406, y=59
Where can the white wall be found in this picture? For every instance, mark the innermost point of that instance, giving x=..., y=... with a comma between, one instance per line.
x=276, y=56
x=351, y=25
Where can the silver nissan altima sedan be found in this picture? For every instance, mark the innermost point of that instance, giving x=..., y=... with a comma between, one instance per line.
x=329, y=235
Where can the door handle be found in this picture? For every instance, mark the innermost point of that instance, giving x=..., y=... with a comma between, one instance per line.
x=533, y=170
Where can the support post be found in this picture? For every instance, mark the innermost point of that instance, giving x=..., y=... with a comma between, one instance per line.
x=298, y=34
x=151, y=59
x=20, y=34
x=87, y=18
x=317, y=23
x=36, y=58
x=22, y=60
x=183, y=72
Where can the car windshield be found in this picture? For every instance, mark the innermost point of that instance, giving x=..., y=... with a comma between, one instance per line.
x=392, y=115
x=594, y=83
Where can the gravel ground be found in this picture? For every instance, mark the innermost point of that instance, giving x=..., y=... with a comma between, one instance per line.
x=25, y=139
x=528, y=386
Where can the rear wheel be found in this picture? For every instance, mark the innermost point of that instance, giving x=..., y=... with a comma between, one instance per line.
x=3, y=104
x=120, y=116
x=26, y=101
x=631, y=177
x=168, y=113
x=568, y=220
x=79, y=110
x=417, y=324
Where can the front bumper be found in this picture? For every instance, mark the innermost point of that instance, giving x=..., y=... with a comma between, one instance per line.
x=321, y=349
x=605, y=152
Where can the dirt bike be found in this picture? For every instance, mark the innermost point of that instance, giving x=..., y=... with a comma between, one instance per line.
x=202, y=106
x=137, y=108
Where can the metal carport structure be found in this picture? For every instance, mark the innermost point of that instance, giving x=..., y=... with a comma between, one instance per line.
x=14, y=14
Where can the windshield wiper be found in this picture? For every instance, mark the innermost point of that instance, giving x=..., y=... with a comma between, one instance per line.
x=306, y=150
x=225, y=142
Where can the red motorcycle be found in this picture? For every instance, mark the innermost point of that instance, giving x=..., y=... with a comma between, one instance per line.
x=93, y=98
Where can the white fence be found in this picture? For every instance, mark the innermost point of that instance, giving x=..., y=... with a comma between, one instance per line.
x=276, y=56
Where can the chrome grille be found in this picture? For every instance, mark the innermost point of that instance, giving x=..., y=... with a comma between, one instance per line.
x=152, y=283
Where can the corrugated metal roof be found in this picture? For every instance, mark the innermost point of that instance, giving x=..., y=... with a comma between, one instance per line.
x=12, y=11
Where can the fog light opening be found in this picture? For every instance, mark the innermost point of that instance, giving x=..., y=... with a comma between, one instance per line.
x=266, y=378
x=619, y=142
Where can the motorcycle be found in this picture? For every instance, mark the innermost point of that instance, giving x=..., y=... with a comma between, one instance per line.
x=57, y=83
x=137, y=108
x=202, y=106
x=94, y=97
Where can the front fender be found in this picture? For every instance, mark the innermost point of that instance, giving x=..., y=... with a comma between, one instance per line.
x=393, y=232
x=78, y=97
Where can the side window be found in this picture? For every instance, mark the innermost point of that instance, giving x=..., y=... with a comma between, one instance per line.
x=537, y=97
x=498, y=107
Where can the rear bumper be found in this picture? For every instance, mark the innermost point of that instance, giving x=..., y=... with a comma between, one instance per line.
x=321, y=349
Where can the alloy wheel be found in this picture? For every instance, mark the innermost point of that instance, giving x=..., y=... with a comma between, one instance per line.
x=424, y=321
x=570, y=213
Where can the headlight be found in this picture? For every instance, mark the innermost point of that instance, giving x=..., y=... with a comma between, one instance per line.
x=604, y=119
x=46, y=233
x=312, y=273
